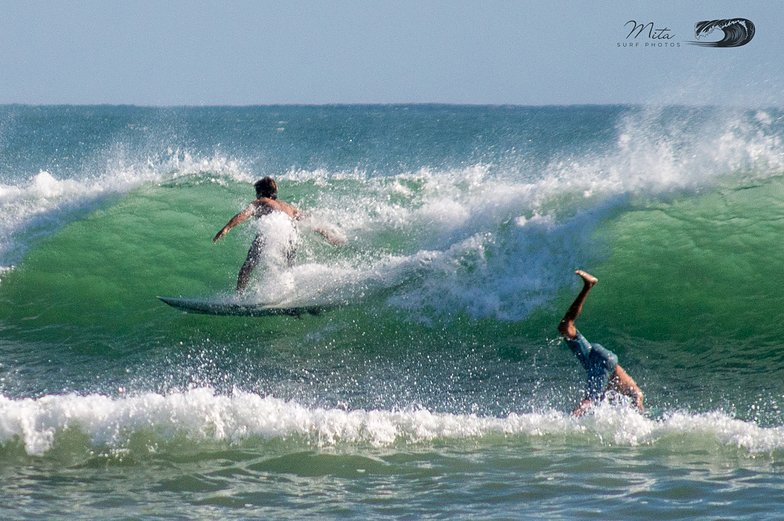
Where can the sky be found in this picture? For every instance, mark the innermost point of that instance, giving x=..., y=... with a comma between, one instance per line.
x=173, y=53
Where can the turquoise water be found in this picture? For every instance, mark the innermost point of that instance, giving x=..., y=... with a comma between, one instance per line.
x=440, y=387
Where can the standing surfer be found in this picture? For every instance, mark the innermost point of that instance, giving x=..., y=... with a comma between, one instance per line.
x=600, y=363
x=267, y=202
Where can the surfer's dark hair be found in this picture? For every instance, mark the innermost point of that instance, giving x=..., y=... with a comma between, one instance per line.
x=266, y=187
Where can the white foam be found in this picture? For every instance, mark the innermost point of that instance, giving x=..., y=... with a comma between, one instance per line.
x=202, y=416
x=659, y=152
x=487, y=240
x=471, y=242
x=36, y=205
x=498, y=243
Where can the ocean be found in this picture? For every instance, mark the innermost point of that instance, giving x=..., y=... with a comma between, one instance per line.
x=439, y=387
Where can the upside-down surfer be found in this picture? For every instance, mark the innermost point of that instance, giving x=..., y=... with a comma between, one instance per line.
x=600, y=363
x=267, y=202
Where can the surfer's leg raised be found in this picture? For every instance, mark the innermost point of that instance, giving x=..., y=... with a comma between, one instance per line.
x=566, y=327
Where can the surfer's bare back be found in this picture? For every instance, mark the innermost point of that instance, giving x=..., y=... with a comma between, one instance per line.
x=600, y=363
x=267, y=202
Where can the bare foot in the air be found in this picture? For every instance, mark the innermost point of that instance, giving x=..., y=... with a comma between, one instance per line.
x=566, y=327
x=589, y=279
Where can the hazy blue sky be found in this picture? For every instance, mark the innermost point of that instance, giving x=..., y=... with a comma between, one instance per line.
x=314, y=52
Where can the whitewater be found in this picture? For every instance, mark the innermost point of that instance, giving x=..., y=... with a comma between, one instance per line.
x=439, y=387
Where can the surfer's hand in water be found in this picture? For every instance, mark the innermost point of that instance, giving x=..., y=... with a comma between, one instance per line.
x=221, y=233
x=331, y=238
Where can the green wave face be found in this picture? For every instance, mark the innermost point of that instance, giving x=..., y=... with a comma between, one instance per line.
x=458, y=265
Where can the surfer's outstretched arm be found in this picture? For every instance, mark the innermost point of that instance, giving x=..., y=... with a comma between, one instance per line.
x=329, y=236
x=332, y=238
x=237, y=219
x=622, y=383
x=566, y=327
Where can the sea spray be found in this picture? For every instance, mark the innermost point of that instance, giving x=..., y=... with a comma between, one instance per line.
x=441, y=378
x=201, y=416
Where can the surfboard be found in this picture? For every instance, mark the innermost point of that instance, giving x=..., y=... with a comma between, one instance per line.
x=211, y=307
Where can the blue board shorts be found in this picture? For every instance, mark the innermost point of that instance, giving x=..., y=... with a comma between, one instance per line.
x=598, y=362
